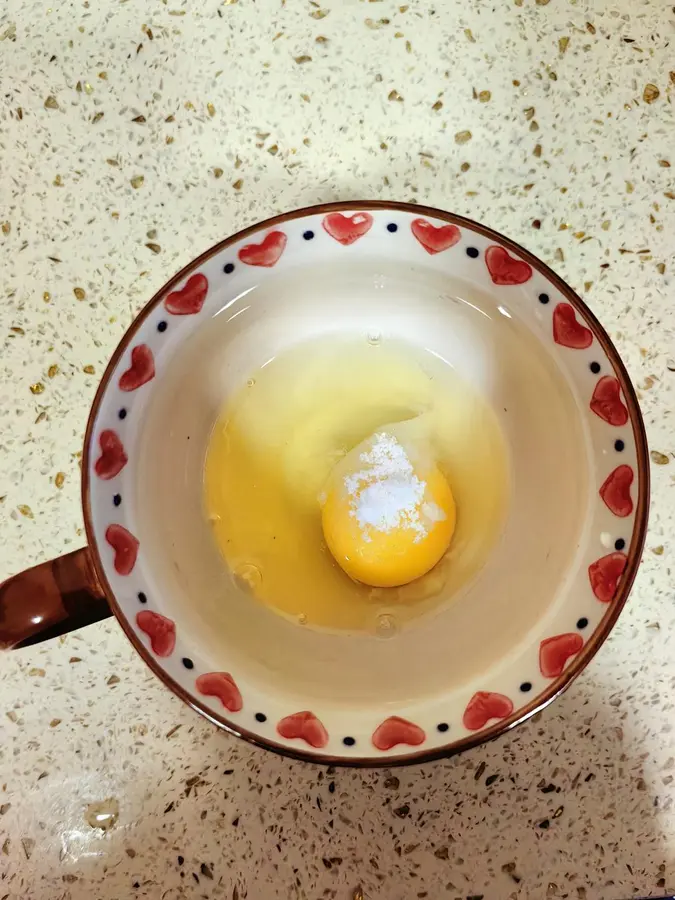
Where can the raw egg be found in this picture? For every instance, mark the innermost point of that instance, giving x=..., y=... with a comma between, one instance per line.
x=388, y=513
x=295, y=426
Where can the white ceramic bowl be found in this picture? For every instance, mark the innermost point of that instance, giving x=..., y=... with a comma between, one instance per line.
x=553, y=586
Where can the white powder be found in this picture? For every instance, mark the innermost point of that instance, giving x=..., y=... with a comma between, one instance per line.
x=387, y=494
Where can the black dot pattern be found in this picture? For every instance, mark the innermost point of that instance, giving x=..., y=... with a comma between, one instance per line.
x=392, y=227
x=619, y=446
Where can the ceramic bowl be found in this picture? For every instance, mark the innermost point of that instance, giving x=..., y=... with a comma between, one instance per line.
x=556, y=580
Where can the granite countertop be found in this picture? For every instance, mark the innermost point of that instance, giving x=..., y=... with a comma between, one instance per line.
x=136, y=133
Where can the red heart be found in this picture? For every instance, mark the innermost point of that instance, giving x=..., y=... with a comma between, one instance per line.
x=555, y=651
x=141, y=370
x=125, y=546
x=606, y=401
x=222, y=686
x=395, y=731
x=604, y=575
x=306, y=726
x=504, y=269
x=160, y=630
x=190, y=298
x=433, y=239
x=616, y=491
x=113, y=458
x=567, y=331
x=267, y=252
x=347, y=229
x=484, y=706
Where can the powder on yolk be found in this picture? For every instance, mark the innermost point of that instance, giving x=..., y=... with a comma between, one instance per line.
x=388, y=517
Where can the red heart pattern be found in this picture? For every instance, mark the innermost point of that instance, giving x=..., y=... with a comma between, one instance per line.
x=435, y=239
x=395, y=730
x=306, y=727
x=222, y=686
x=567, y=331
x=505, y=269
x=188, y=301
x=267, y=253
x=113, y=457
x=604, y=575
x=484, y=706
x=347, y=229
x=606, y=401
x=125, y=546
x=160, y=630
x=554, y=653
x=141, y=371
x=616, y=491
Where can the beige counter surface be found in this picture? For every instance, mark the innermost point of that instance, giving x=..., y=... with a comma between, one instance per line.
x=135, y=134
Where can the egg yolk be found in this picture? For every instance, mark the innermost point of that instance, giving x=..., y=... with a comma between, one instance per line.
x=388, y=515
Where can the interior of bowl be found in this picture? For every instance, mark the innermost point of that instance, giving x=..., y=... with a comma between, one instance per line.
x=577, y=494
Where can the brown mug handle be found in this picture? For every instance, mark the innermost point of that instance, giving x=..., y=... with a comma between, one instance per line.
x=51, y=599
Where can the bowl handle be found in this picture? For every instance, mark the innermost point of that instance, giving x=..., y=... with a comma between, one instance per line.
x=50, y=599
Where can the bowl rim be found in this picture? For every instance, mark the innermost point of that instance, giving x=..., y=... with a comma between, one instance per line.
x=634, y=553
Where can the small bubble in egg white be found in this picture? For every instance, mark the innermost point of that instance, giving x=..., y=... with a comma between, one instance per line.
x=374, y=338
x=386, y=626
x=250, y=382
x=247, y=577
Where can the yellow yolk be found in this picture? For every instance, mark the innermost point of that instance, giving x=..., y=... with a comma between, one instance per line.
x=388, y=516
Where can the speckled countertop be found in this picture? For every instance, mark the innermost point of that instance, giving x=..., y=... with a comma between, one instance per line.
x=134, y=134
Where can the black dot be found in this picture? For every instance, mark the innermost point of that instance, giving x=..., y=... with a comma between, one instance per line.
x=122, y=414
x=526, y=687
x=162, y=326
x=308, y=235
x=472, y=252
x=187, y=662
x=619, y=445
x=392, y=226
x=260, y=717
x=117, y=499
x=142, y=598
x=619, y=544
x=582, y=623
x=442, y=727
x=348, y=741
x=594, y=367
x=228, y=268
x=544, y=298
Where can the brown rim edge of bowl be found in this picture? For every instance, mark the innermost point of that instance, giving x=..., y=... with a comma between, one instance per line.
x=589, y=649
